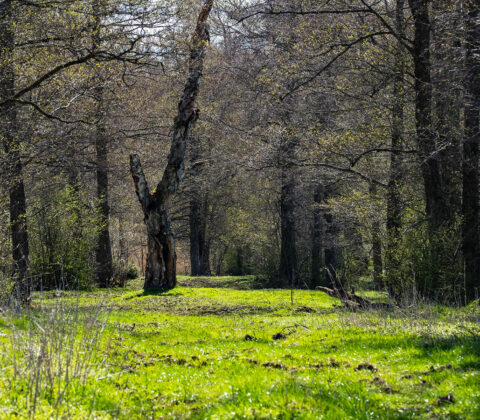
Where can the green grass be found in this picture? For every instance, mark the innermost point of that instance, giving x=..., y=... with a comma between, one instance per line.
x=184, y=354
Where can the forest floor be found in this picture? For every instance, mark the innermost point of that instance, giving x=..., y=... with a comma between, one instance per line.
x=216, y=349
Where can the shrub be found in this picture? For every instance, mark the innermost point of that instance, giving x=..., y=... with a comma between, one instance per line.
x=122, y=272
x=63, y=232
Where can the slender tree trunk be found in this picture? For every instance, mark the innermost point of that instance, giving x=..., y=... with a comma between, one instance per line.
x=161, y=259
x=195, y=233
x=470, y=210
x=288, y=251
x=204, y=239
x=12, y=149
x=122, y=242
x=435, y=203
x=317, y=263
x=199, y=246
x=394, y=207
x=376, y=245
x=103, y=252
x=447, y=34
x=331, y=250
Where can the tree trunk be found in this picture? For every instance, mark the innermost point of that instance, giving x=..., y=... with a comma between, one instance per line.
x=161, y=260
x=394, y=207
x=12, y=149
x=435, y=203
x=471, y=245
x=288, y=251
x=447, y=33
x=199, y=245
x=160, y=271
x=376, y=245
x=123, y=253
x=103, y=252
x=317, y=273
x=195, y=234
x=205, y=240
x=331, y=251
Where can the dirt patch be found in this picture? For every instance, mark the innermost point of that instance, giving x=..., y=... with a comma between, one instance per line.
x=274, y=365
x=446, y=399
x=366, y=366
x=306, y=309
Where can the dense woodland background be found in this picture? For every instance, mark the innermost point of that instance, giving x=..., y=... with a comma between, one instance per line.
x=336, y=142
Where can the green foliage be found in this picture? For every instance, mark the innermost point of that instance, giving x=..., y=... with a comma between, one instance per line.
x=63, y=232
x=123, y=272
x=429, y=264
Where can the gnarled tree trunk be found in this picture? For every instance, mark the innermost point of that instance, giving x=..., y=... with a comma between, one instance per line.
x=161, y=259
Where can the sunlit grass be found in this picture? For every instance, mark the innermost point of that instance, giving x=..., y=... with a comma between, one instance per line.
x=209, y=352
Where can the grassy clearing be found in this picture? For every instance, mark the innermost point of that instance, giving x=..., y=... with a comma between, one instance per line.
x=209, y=352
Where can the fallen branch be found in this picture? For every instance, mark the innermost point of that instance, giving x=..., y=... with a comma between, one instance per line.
x=351, y=300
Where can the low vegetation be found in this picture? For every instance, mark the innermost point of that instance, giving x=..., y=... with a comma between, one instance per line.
x=218, y=349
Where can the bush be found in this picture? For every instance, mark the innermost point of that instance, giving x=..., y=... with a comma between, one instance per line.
x=429, y=265
x=63, y=232
x=123, y=272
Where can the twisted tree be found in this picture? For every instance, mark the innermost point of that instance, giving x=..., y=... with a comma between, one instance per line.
x=161, y=259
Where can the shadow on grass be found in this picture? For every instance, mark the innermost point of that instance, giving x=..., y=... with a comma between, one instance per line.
x=155, y=292
x=227, y=282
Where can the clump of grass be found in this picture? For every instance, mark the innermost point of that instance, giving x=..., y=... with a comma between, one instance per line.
x=51, y=354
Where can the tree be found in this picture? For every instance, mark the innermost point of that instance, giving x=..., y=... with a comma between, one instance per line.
x=161, y=259
x=103, y=252
x=12, y=147
x=434, y=194
x=470, y=210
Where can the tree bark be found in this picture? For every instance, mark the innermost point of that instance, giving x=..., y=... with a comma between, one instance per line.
x=470, y=210
x=161, y=259
x=376, y=245
x=331, y=252
x=288, y=251
x=434, y=198
x=12, y=149
x=394, y=207
x=199, y=249
x=198, y=218
x=204, y=239
x=447, y=55
x=317, y=260
x=103, y=251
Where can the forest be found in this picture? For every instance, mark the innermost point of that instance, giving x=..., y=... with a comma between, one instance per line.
x=239, y=209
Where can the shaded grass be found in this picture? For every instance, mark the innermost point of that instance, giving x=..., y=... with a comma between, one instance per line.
x=185, y=354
